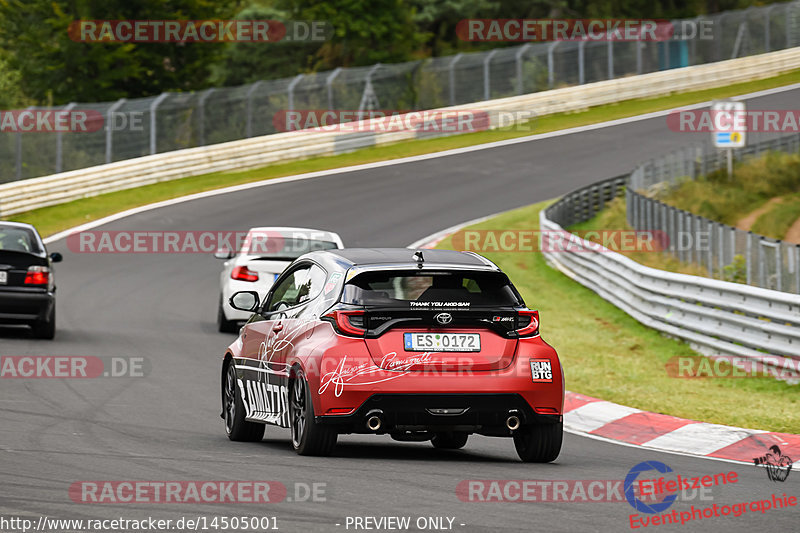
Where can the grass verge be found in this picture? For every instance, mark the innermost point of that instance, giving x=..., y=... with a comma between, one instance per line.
x=618, y=359
x=50, y=220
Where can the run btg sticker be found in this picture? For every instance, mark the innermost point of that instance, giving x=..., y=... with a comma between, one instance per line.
x=541, y=371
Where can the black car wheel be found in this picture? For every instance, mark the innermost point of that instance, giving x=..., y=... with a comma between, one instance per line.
x=450, y=440
x=539, y=443
x=46, y=328
x=223, y=324
x=236, y=426
x=308, y=437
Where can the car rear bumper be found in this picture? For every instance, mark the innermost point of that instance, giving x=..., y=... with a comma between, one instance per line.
x=480, y=413
x=23, y=306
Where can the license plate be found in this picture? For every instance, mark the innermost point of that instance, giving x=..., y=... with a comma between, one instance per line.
x=3, y=277
x=442, y=342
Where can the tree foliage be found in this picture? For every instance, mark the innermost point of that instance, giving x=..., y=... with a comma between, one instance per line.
x=39, y=62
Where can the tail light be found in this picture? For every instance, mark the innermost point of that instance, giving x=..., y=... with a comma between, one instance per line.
x=347, y=322
x=242, y=273
x=528, y=323
x=37, y=275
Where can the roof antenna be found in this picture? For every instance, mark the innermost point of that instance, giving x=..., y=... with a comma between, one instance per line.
x=418, y=258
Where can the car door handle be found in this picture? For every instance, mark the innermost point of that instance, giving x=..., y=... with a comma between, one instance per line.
x=277, y=327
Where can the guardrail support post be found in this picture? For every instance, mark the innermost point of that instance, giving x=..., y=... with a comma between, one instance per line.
x=581, y=63
x=110, y=129
x=60, y=142
x=153, y=123
x=610, y=59
x=487, y=81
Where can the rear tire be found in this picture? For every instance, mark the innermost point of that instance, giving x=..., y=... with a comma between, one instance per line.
x=223, y=324
x=539, y=443
x=237, y=428
x=308, y=437
x=46, y=329
x=450, y=440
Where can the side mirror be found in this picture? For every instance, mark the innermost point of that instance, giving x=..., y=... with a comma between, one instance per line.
x=56, y=257
x=223, y=253
x=245, y=301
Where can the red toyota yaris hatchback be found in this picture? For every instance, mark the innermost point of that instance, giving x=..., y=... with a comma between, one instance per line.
x=428, y=345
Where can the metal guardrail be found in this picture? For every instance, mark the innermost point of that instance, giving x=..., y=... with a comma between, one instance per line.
x=174, y=121
x=19, y=196
x=714, y=317
x=726, y=252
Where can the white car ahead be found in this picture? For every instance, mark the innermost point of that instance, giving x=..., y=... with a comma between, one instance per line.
x=254, y=266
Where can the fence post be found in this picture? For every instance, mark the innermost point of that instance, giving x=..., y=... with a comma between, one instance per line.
x=452, y=77
x=710, y=255
x=109, y=131
x=60, y=142
x=551, y=73
x=153, y=123
x=518, y=58
x=581, y=66
x=202, y=118
x=639, y=59
x=789, y=26
x=768, y=28
x=329, y=85
x=18, y=149
x=486, y=75
x=797, y=268
x=610, y=59
x=721, y=259
x=250, y=92
x=294, y=82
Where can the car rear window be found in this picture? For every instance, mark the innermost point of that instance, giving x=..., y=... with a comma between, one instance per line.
x=283, y=248
x=18, y=240
x=441, y=288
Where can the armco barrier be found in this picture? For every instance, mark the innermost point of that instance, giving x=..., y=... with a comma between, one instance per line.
x=715, y=317
x=16, y=197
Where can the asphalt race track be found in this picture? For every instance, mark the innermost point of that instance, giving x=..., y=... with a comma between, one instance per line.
x=166, y=425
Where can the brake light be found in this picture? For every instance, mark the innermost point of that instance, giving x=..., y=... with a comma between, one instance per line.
x=242, y=273
x=528, y=323
x=348, y=322
x=37, y=275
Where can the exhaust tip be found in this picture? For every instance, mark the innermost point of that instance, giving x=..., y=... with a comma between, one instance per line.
x=374, y=420
x=512, y=422
x=374, y=423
